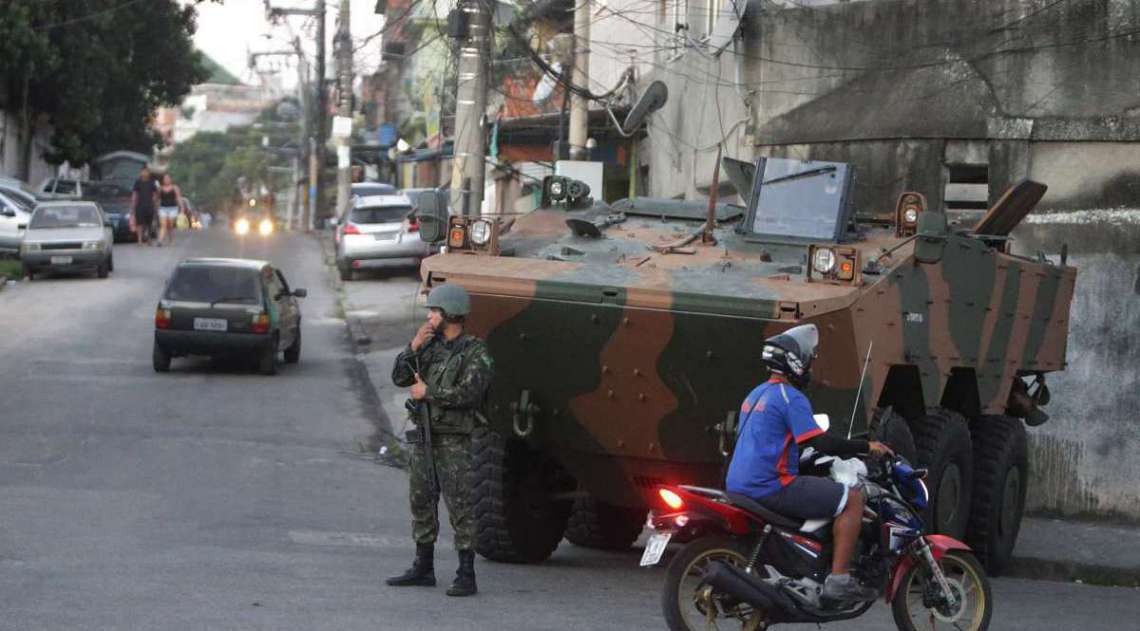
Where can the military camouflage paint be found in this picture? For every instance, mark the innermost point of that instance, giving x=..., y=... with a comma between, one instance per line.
x=632, y=357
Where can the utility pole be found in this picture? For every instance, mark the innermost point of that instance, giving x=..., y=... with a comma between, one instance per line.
x=318, y=126
x=579, y=105
x=344, y=77
x=471, y=23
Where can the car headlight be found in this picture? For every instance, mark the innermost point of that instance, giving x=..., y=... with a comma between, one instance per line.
x=265, y=227
x=823, y=261
x=92, y=245
x=30, y=247
x=556, y=190
x=480, y=232
x=242, y=226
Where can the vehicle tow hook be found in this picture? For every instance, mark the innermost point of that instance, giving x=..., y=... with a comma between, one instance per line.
x=523, y=412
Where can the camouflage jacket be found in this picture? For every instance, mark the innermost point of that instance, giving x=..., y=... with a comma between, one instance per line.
x=457, y=374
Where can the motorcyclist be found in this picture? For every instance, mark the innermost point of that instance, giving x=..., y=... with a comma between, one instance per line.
x=776, y=421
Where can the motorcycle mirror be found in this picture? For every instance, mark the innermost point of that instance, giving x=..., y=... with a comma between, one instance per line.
x=823, y=420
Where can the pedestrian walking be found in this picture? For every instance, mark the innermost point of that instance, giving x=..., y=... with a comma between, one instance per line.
x=144, y=196
x=448, y=372
x=169, y=203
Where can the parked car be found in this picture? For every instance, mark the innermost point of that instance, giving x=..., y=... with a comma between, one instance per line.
x=15, y=188
x=226, y=307
x=61, y=188
x=15, y=213
x=371, y=189
x=115, y=200
x=378, y=231
x=67, y=236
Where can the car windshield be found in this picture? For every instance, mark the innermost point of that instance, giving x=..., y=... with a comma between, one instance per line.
x=65, y=217
x=214, y=283
x=364, y=190
x=105, y=191
x=379, y=214
x=800, y=199
x=18, y=201
x=61, y=186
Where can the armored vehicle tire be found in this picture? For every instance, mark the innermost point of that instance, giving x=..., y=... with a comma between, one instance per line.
x=597, y=524
x=1001, y=474
x=519, y=517
x=942, y=441
x=891, y=428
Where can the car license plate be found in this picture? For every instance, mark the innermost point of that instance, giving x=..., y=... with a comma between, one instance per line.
x=210, y=324
x=654, y=548
x=61, y=260
x=386, y=236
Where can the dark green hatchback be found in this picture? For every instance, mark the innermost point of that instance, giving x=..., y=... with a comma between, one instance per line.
x=226, y=307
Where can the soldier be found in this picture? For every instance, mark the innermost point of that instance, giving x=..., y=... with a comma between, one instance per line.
x=448, y=372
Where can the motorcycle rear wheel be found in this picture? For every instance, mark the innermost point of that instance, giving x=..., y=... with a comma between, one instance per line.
x=683, y=598
x=970, y=585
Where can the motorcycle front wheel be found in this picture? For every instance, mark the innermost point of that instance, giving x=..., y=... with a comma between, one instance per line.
x=917, y=603
x=689, y=604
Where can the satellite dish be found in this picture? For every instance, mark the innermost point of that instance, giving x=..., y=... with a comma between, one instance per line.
x=651, y=100
x=545, y=87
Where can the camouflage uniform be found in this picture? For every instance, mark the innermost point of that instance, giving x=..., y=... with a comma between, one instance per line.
x=457, y=374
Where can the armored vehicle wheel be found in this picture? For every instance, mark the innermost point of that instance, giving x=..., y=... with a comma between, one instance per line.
x=942, y=440
x=1001, y=473
x=597, y=524
x=519, y=516
x=891, y=428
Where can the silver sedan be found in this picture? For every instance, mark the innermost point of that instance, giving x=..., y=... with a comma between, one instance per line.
x=378, y=231
x=67, y=236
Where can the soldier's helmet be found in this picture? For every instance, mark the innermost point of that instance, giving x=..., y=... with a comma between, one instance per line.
x=451, y=299
x=790, y=353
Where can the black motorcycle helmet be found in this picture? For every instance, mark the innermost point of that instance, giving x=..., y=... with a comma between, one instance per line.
x=790, y=353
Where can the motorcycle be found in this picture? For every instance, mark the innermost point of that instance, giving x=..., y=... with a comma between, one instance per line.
x=744, y=566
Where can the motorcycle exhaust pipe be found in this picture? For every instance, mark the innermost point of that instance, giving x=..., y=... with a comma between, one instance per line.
x=742, y=586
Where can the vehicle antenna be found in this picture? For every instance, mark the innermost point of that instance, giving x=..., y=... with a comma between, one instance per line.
x=707, y=236
x=859, y=392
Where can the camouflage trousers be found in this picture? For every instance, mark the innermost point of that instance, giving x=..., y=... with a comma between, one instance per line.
x=452, y=456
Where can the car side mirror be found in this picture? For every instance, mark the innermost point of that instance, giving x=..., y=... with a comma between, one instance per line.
x=300, y=293
x=431, y=210
x=932, y=233
x=8, y=212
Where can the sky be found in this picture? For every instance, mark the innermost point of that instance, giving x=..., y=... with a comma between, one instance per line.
x=227, y=32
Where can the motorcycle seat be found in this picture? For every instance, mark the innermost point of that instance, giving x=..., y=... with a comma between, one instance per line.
x=772, y=517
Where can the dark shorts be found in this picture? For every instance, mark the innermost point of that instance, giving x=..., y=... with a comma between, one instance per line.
x=808, y=497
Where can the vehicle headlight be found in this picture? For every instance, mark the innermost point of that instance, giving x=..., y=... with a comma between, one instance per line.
x=265, y=227
x=480, y=232
x=556, y=190
x=823, y=261
x=30, y=247
x=242, y=226
x=92, y=245
x=910, y=214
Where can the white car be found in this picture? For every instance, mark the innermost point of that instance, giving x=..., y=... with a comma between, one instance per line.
x=67, y=236
x=61, y=188
x=15, y=212
x=378, y=231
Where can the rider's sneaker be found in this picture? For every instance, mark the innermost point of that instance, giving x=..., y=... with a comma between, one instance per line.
x=846, y=588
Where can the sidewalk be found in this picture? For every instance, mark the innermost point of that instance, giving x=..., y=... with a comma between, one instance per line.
x=382, y=316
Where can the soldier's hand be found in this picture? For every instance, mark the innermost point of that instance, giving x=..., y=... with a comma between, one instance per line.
x=422, y=336
x=419, y=389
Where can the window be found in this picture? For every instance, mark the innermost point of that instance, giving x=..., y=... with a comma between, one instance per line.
x=379, y=214
x=967, y=187
x=211, y=283
x=66, y=217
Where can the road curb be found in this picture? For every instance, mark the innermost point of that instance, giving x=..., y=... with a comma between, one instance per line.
x=385, y=448
x=1073, y=572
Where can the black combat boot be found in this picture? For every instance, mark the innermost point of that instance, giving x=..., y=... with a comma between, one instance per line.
x=422, y=572
x=464, y=583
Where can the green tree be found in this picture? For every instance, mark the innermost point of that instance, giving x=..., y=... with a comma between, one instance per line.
x=95, y=70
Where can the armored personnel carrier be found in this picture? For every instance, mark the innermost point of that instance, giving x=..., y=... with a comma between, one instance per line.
x=626, y=336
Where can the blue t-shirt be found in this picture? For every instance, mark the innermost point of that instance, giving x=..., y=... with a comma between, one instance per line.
x=774, y=419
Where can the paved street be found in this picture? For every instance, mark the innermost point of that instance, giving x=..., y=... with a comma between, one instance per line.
x=216, y=498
